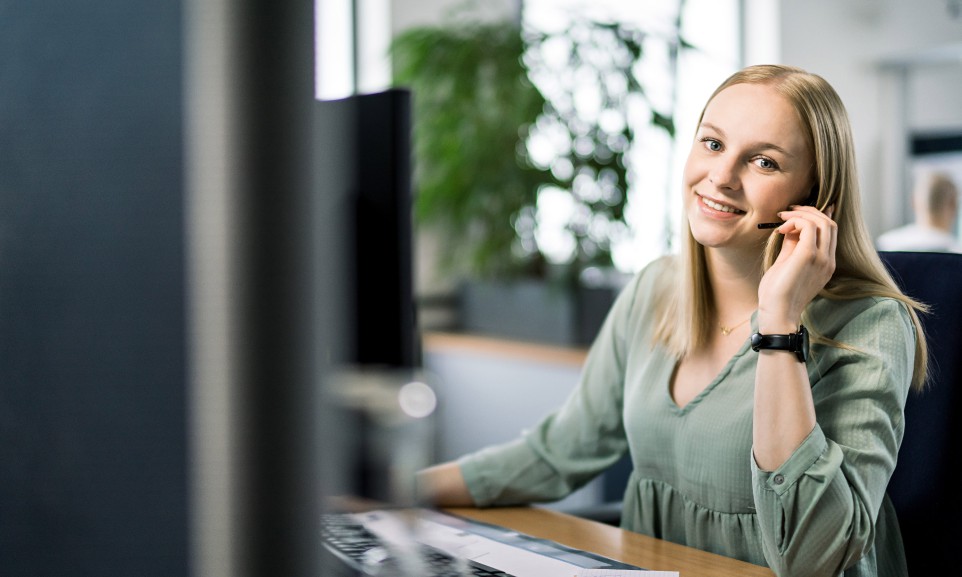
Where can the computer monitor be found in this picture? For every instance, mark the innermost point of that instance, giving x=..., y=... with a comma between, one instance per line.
x=370, y=188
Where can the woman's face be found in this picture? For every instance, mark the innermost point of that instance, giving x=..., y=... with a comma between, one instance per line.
x=750, y=159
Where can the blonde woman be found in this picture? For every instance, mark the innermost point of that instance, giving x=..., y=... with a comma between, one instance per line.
x=759, y=378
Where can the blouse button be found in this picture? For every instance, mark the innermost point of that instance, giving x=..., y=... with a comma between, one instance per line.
x=778, y=479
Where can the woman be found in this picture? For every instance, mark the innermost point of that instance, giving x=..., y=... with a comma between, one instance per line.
x=776, y=456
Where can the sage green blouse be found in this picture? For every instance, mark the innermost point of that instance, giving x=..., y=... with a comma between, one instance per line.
x=695, y=482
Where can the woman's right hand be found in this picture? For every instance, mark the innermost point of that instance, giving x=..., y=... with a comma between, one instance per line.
x=803, y=267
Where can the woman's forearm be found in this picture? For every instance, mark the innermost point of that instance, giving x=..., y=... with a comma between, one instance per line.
x=443, y=485
x=784, y=413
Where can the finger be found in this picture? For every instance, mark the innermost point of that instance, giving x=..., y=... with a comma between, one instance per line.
x=815, y=231
x=828, y=229
x=833, y=232
x=821, y=239
x=799, y=232
x=826, y=237
x=806, y=213
x=830, y=212
x=805, y=210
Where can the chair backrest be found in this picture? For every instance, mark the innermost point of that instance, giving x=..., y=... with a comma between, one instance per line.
x=923, y=489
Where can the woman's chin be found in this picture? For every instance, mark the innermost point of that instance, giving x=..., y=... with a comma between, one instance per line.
x=723, y=239
x=710, y=238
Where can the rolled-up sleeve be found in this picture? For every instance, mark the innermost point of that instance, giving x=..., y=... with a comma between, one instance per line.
x=817, y=511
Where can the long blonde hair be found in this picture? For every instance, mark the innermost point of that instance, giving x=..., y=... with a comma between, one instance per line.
x=686, y=314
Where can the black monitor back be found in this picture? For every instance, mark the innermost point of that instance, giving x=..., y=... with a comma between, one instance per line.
x=366, y=176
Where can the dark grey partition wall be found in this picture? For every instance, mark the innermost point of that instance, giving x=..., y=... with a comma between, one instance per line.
x=93, y=477
x=108, y=181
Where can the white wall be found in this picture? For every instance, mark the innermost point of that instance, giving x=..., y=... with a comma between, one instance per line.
x=489, y=398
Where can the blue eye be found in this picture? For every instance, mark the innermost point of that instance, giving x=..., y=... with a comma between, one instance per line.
x=712, y=144
x=766, y=163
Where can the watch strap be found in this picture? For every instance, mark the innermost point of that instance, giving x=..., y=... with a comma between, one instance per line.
x=795, y=342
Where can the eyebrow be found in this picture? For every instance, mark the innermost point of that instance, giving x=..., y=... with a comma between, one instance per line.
x=761, y=145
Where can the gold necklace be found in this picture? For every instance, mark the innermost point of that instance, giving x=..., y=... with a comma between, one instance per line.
x=728, y=330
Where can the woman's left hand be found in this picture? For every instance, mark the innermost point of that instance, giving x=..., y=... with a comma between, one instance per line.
x=803, y=267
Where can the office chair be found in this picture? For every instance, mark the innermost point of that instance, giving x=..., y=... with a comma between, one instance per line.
x=923, y=489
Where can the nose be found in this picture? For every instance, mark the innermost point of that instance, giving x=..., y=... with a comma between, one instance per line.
x=724, y=173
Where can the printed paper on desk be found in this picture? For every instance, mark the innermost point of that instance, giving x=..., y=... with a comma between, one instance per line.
x=624, y=573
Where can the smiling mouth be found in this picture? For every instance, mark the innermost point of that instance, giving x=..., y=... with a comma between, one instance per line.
x=720, y=207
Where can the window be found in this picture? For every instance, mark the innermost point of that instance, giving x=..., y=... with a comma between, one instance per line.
x=687, y=48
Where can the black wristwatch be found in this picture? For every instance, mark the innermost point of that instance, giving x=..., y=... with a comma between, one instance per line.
x=794, y=342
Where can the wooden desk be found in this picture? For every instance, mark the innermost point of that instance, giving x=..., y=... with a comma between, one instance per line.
x=479, y=344
x=613, y=542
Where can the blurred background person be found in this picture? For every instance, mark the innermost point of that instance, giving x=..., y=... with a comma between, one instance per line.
x=935, y=201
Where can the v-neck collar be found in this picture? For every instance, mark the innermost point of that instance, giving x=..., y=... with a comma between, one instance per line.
x=724, y=372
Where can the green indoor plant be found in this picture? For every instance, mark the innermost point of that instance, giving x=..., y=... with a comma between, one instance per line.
x=472, y=106
x=479, y=183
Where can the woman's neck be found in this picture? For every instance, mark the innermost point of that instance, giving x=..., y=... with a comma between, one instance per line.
x=734, y=277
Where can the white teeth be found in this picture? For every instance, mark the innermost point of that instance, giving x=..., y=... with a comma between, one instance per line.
x=720, y=207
